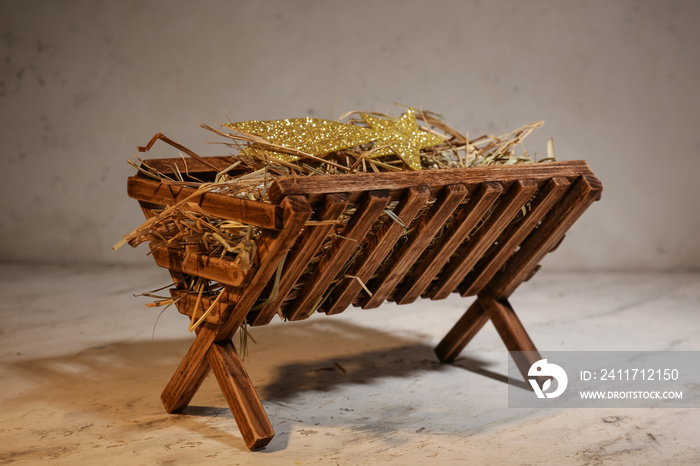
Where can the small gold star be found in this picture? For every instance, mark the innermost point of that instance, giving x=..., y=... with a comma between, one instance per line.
x=403, y=137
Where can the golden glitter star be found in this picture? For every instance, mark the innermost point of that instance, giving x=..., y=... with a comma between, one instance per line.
x=403, y=137
x=311, y=135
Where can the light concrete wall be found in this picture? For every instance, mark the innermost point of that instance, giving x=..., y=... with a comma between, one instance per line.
x=82, y=83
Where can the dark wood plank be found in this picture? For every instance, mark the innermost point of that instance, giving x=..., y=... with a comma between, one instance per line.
x=213, y=268
x=194, y=366
x=376, y=249
x=240, y=395
x=303, y=251
x=513, y=236
x=414, y=286
x=332, y=263
x=511, y=331
x=191, y=372
x=430, y=224
x=463, y=331
x=272, y=247
x=547, y=235
x=192, y=166
x=254, y=213
x=458, y=267
x=187, y=304
x=436, y=179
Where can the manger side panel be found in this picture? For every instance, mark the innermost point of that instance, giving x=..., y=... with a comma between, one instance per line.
x=303, y=251
x=377, y=248
x=332, y=263
x=272, y=247
x=440, y=253
x=546, y=236
x=458, y=267
x=382, y=286
x=499, y=253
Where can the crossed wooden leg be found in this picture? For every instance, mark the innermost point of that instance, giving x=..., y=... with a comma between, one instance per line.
x=506, y=322
x=220, y=356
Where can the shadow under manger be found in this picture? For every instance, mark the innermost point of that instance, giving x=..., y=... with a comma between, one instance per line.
x=317, y=358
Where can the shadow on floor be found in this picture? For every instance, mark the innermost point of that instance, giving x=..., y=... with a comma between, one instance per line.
x=124, y=380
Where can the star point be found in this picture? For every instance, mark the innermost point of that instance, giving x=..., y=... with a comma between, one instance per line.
x=403, y=137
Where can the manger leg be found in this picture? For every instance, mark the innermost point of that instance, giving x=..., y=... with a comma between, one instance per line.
x=190, y=373
x=463, y=331
x=240, y=394
x=511, y=331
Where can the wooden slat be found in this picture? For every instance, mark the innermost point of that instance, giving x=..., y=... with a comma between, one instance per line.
x=272, y=247
x=376, y=249
x=212, y=268
x=439, y=254
x=430, y=224
x=514, y=235
x=547, y=235
x=192, y=166
x=303, y=251
x=332, y=263
x=458, y=267
x=463, y=331
x=245, y=211
x=187, y=303
x=312, y=185
x=240, y=395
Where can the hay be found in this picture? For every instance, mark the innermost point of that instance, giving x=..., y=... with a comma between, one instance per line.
x=258, y=162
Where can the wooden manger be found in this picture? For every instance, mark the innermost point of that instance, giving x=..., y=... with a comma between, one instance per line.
x=467, y=234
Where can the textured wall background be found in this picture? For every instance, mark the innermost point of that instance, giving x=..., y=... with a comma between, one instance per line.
x=83, y=82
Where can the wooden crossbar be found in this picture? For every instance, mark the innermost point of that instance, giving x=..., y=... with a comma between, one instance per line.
x=328, y=242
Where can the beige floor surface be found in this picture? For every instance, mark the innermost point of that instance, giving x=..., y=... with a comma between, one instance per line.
x=82, y=364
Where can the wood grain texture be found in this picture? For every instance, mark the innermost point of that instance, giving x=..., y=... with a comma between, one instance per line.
x=511, y=330
x=193, y=166
x=430, y=224
x=414, y=286
x=435, y=179
x=240, y=395
x=376, y=249
x=302, y=252
x=463, y=331
x=332, y=263
x=254, y=213
x=499, y=253
x=286, y=235
x=212, y=268
x=272, y=247
x=194, y=368
x=458, y=267
x=187, y=304
x=191, y=372
x=547, y=235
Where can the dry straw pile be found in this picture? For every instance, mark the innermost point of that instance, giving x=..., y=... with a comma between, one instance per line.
x=257, y=161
